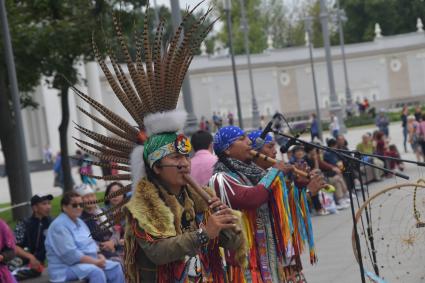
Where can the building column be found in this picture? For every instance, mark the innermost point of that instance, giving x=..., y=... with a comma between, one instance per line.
x=94, y=91
x=82, y=119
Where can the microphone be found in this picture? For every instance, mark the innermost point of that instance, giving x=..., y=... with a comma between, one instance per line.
x=284, y=148
x=292, y=141
x=261, y=139
x=266, y=130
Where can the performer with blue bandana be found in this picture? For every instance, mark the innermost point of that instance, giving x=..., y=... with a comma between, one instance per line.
x=245, y=186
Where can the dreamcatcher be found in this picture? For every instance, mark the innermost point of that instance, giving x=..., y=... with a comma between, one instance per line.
x=392, y=234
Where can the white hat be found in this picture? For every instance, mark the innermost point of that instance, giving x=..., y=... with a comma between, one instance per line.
x=83, y=189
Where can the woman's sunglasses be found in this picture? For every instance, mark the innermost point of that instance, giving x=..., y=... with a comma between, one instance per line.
x=76, y=205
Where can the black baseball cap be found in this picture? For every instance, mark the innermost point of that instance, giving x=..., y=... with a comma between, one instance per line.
x=37, y=199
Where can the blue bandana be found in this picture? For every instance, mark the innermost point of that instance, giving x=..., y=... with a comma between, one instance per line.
x=256, y=134
x=225, y=137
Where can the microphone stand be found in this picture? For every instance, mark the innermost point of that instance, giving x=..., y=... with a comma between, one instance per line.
x=350, y=160
x=382, y=157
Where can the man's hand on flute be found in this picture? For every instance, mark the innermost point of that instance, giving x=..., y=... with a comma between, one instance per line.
x=221, y=219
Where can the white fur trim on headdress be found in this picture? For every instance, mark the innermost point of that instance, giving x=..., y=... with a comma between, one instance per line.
x=163, y=122
x=137, y=165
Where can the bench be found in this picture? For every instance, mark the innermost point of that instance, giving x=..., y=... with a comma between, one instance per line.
x=44, y=278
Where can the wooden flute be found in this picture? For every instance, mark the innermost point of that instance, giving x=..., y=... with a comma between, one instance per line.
x=256, y=154
x=203, y=193
x=197, y=188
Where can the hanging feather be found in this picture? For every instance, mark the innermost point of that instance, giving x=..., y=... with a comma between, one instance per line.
x=113, y=129
x=103, y=149
x=114, y=143
x=108, y=114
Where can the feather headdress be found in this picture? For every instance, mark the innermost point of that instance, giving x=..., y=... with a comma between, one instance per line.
x=149, y=93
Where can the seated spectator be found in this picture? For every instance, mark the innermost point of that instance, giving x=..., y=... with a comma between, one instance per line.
x=366, y=146
x=107, y=239
x=335, y=177
x=113, y=205
x=7, y=252
x=381, y=148
x=341, y=142
x=393, y=152
x=203, y=161
x=72, y=253
x=312, y=159
x=30, y=235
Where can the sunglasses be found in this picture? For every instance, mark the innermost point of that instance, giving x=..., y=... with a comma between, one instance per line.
x=76, y=205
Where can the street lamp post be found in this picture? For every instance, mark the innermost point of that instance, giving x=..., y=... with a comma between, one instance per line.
x=334, y=103
x=308, y=22
x=227, y=7
x=191, y=122
x=348, y=97
x=156, y=12
x=245, y=28
x=23, y=194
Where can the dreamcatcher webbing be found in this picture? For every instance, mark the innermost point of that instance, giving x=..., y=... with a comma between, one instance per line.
x=398, y=243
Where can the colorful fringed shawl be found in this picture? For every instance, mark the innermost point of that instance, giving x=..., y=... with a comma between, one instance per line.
x=276, y=232
x=301, y=221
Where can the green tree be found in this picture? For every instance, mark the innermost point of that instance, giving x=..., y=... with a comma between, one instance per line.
x=27, y=60
x=256, y=21
x=278, y=23
x=49, y=39
x=67, y=30
x=394, y=16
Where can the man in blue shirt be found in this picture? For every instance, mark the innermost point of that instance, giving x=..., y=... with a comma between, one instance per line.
x=71, y=251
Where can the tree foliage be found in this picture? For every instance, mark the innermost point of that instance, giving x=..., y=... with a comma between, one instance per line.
x=271, y=18
x=256, y=21
x=394, y=16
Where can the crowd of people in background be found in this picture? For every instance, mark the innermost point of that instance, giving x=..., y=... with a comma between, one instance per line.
x=376, y=143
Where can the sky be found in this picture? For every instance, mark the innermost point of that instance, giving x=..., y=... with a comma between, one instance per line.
x=183, y=3
x=204, y=6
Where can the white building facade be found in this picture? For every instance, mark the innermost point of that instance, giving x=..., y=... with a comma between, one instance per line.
x=386, y=71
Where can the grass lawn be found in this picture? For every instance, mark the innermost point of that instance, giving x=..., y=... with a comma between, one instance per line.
x=7, y=215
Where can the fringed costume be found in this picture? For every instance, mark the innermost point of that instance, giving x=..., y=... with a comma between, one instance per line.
x=164, y=238
x=275, y=212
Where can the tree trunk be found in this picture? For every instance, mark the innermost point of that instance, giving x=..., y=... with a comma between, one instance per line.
x=63, y=136
x=10, y=147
